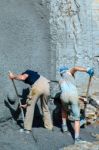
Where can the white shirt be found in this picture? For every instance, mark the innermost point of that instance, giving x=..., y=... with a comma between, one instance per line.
x=67, y=82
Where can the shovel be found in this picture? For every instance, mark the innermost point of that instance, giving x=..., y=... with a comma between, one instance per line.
x=22, y=113
x=21, y=107
x=88, y=87
x=16, y=91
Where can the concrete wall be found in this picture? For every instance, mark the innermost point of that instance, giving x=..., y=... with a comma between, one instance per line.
x=74, y=31
x=24, y=43
x=95, y=33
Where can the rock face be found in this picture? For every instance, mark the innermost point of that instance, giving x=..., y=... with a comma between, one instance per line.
x=24, y=44
x=83, y=146
x=73, y=28
x=43, y=35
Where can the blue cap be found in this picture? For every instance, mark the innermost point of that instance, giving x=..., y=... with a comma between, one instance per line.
x=63, y=69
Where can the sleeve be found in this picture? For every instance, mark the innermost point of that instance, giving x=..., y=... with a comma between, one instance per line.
x=25, y=72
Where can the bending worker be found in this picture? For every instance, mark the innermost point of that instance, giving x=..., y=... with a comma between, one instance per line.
x=39, y=89
x=69, y=95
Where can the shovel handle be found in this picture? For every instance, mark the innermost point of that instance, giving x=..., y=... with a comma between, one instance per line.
x=87, y=93
x=18, y=99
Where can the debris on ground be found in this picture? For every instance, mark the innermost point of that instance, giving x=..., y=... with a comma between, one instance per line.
x=83, y=146
x=90, y=109
x=95, y=135
x=11, y=138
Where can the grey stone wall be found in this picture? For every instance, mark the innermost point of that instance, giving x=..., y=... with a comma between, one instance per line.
x=24, y=44
x=74, y=36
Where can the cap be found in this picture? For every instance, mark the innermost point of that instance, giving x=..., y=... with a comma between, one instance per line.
x=63, y=69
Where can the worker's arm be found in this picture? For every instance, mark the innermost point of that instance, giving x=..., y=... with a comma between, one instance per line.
x=18, y=77
x=90, y=71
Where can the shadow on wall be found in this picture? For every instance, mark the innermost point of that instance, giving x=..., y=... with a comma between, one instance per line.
x=13, y=106
x=57, y=118
x=38, y=119
x=57, y=111
x=24, y=41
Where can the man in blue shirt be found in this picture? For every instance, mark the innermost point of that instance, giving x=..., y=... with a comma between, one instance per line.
x=39, y=89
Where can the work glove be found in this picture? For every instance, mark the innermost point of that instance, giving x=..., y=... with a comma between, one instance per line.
x=90, y=71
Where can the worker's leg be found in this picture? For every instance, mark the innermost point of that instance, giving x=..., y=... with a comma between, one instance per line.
x=45, y=92
x=76, y=114
x=75, y=110
x=46, y=113
x=64, y=101
x=77, y=128
x=31, y=101
x=64, y=117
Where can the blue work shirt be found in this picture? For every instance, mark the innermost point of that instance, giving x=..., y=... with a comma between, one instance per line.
x=32, y=77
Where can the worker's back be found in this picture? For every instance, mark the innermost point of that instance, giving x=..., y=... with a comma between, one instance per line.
x=68, y=87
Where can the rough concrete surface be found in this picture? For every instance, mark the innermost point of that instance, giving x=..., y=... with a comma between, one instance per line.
x=84, y=146
x=74, y=28
x=24, y=44
x=11, y=138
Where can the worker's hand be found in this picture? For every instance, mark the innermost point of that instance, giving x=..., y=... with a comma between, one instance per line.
x=11, y=75
x=23, y=106
x=90, y=71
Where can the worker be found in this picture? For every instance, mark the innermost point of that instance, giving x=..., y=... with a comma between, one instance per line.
x=39, y=89
x=69, y=96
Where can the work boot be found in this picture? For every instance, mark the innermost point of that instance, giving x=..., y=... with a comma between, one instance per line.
x=64, y=128
x=79, y=140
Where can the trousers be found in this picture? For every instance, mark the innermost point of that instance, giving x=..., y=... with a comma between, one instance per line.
x=69, y=95
x=40, y=89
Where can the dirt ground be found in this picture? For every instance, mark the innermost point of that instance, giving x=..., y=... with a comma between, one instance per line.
x=11, y=138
